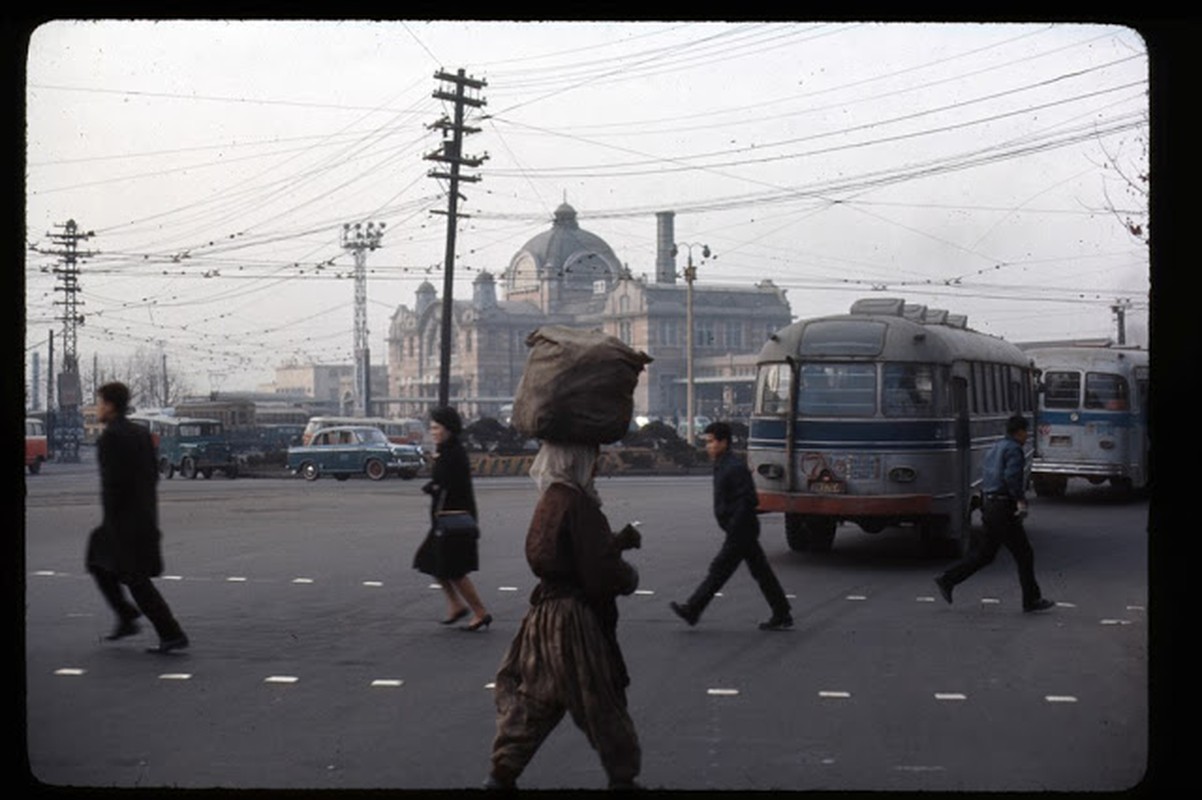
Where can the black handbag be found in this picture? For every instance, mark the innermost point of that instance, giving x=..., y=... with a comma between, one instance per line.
x=455, y=535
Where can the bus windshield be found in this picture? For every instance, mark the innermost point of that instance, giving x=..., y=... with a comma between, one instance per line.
x=909, y=390
x=837, y=390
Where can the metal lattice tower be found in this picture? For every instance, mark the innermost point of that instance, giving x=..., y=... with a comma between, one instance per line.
x=359, y=238
x=66, y=430
x=67, y=249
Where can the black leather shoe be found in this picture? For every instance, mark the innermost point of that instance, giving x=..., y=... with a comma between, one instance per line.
x=1042, y=604
x=126, y=627
x=945, y=591
x=168, y=645
x=684, y=612
x=495, y=783
x=458, y=615
x=777, y=623
x=483, y=622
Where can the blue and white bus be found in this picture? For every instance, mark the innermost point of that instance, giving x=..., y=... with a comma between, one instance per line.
x=1092, y=418
x=881, y=417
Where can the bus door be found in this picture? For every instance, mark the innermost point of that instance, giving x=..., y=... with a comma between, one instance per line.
x=961, y=521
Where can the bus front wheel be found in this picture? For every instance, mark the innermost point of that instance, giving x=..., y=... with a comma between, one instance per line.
x=809, y=534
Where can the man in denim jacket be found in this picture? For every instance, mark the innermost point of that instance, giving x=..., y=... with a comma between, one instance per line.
x=1005, y=506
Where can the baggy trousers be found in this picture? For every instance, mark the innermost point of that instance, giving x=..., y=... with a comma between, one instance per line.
x=560, y=662
x=145, y=596
x=735, y=549
x=1001, y=527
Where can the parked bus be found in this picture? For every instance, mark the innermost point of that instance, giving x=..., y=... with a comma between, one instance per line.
x=36, y=445
x=881, y=417
x=189, y=445
x=1092, y=418
x=400, y=431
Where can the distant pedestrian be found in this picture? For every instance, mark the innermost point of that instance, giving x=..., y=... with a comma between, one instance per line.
x=1005, y=506
x=450, y=489
x=125, y=549
x=735, y=503
x=565, y=657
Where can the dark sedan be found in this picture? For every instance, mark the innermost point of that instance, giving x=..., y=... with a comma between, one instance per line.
x=348, y=450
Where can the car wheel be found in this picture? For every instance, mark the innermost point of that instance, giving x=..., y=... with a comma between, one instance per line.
x=35, y=467
x=166, y=469
x=188, y=469
x=308, y=471
x=375, y=469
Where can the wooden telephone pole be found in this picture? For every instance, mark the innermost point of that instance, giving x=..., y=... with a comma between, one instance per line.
x=451, y=153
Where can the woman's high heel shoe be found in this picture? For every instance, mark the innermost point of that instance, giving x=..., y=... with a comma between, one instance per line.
x=483, y=622
x=458, y=615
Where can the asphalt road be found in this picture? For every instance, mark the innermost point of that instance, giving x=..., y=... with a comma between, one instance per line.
x=317, y=661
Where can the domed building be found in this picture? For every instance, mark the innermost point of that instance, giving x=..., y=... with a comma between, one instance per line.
x=569, y=276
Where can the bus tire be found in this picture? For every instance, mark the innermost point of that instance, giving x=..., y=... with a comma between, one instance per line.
x=375, y=469
x=166, y=468
x=809, y=534
x=795, y=533
x=187, y=469
x=1049, y=485
x=821, y=534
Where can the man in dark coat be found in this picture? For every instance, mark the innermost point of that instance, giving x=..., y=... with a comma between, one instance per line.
x=125, y=548
x=735, y=504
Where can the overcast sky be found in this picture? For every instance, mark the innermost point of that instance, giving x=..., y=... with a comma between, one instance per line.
x=982, y=168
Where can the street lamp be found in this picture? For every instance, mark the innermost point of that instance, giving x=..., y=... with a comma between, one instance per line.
x=690, y=273
x=359, y=238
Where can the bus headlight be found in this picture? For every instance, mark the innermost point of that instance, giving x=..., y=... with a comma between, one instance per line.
x=771, y=471
x=902, y=474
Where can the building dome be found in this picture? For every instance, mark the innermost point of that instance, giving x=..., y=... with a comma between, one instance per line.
x=566, y=254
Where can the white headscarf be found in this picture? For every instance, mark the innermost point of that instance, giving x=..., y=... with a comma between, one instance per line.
x=563, y=462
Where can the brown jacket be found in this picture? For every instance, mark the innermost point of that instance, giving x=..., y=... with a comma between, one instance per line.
x=570, y=547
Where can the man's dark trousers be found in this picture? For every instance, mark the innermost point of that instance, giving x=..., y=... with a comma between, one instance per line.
x=736, y=548
x=147, y=598
x=1001, y=527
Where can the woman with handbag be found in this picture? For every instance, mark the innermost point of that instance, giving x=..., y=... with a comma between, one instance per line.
x=449, y=551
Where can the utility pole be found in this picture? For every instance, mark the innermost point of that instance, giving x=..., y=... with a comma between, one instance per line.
x=69, y=427
x=1120, y=314
x=452, y=153
x=360, y=238
x=690, y=274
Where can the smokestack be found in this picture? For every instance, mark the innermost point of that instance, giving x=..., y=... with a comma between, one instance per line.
x=665, y=241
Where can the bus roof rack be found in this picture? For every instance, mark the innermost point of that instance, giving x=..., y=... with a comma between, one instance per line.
x=957, y=321
x=935, y=316
x=914, y=312
x=885, y=306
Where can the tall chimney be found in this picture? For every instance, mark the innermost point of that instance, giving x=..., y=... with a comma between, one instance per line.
x=665, y=240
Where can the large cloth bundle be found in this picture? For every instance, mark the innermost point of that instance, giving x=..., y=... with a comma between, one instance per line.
x=578, y=386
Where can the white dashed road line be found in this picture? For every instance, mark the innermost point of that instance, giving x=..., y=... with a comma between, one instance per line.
x=722, y=692
x=950, y=696
x=70, y=671
x=834, y=695
x=387, y=682
x=280, y=679
x=175, y=676
x=1060, y=698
